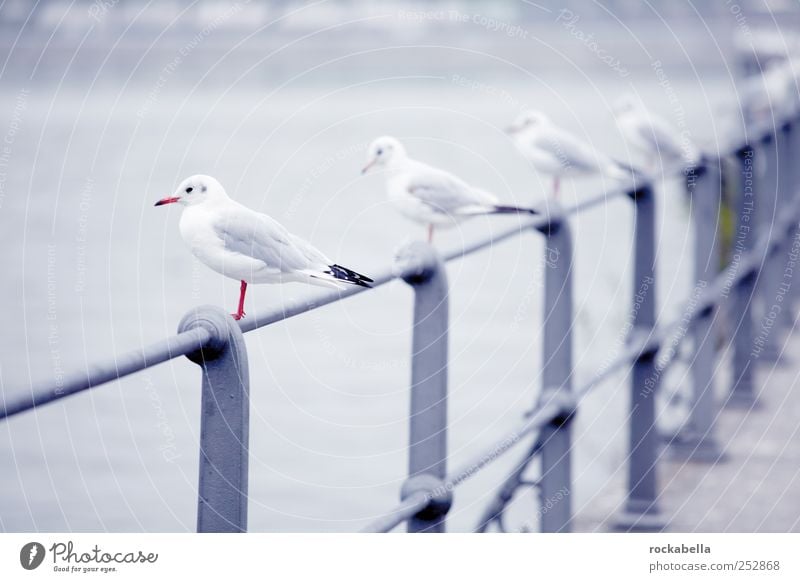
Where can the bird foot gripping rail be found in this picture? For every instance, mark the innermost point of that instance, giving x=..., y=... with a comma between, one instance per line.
x=767, y=211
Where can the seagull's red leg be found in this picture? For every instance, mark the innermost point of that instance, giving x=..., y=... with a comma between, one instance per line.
x=430, y=233
x=240, y=312
x=556, y=182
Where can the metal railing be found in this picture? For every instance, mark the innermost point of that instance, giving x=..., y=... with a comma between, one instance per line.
x=769, y=215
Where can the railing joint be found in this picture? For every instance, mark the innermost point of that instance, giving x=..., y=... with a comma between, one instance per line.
x=215, y=322
x=566, y=402
x=416, y=263
x=440, y=496
x=555, y=216
x=644, y=191
x=641, y=338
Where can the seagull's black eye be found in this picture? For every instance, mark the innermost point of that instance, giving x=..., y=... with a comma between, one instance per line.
x=380, y=151
x=189, y=190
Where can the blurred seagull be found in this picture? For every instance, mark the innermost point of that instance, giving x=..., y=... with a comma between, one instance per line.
x=652, y=135
x=249, y=246
x=771, y=97
x=429, y=195
x=558, y=153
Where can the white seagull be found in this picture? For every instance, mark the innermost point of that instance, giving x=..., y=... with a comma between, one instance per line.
x=558, y=153
x=652, y=135
x=249, y=246
x=429, y=195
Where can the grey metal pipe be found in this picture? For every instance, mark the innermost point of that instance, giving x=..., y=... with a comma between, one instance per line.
x=556, y=436
x=408, y=507
x=427, y=454
x=535, y=420
x=224, y=421
x=742, y=392
x=641, y=511
x=793, y=182
x=174, y=347
x=783, y=196
x=766, y=209
x=697, y=441
x=100, y=373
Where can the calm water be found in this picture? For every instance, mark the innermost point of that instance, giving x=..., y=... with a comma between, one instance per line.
x=92, y=269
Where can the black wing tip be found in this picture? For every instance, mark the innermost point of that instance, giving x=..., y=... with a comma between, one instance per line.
x=349, y=276
x=514, y=210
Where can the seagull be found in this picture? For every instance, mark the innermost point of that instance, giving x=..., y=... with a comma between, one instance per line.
x=430, y=195
x=652, y=135
x=243, y=244
x=770, y=97
x=558, y=153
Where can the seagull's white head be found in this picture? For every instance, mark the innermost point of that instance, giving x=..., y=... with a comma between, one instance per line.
x=195, y=190
x=384, y=151
x=528, y=120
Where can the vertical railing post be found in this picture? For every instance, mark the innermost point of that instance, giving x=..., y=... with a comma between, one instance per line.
x=556, y=437
x=697, y=441
x=768, y=278
x=783, y=201
x=742, y=392
x=641, y=511
x=224, y=422
x=793, y=181
x=427, y=458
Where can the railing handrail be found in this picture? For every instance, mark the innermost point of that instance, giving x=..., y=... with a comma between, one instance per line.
x=178, y=345
x=560, y=403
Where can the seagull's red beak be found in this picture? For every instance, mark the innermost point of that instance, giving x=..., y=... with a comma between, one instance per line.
x=168, y=200
x=366, y=168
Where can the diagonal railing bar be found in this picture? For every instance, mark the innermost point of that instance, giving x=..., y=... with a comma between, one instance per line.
x=100, y=373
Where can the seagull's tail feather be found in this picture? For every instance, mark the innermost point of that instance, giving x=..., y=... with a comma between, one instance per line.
x=494, y=209
x=513, y=210
x=346, y=275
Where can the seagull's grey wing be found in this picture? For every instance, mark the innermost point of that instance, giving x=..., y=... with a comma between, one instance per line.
x=659, y=136
x=569, y=150
x=445, y=192
x=258, y=236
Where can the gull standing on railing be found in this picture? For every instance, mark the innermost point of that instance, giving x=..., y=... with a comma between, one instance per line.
x=653, y=136
x=247, y=245
x=429, y=195
x=772, y=95
x=558, y=153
